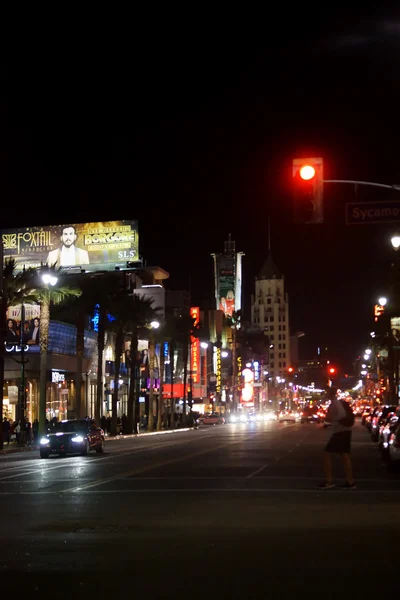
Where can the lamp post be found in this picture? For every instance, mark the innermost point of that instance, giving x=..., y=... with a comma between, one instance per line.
x=49, y=280
x=153, y=326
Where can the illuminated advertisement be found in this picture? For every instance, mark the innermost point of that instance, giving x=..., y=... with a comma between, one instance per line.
x=226, y=284
x=248, y=389
x=22, y=325
x=91, y=246
x=239, y=370
x=195, y=346
x=219, y=371
x=395, y=329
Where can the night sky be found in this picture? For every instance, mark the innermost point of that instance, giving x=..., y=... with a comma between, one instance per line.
x=193, y=135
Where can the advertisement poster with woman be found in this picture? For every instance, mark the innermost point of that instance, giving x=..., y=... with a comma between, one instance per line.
x=23, y=328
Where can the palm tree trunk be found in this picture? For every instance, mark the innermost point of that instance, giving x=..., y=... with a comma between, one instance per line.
x=172, y=352
x=160, y=389
x=152, y=349
x=119, y=341
x=80, y=349
x=132, y=384
x=44, y=341
x=100, y=351
x=185, y=374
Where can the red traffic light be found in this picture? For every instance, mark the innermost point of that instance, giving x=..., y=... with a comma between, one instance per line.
x=307, y=190
x=331, y=370
x=290, y=369
x=307, y=172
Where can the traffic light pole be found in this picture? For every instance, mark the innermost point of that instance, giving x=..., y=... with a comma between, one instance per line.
x=370, y=183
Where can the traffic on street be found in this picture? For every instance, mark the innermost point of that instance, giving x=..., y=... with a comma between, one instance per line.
x=241, y=493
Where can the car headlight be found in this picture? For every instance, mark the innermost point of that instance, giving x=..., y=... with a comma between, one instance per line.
x=243, y=418
x=78, y=439
x=233, y=419
x=44, y=441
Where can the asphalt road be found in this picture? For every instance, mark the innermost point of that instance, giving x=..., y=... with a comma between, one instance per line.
x=231, y=511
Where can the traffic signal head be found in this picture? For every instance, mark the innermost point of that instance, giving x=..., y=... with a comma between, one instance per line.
x=290, y=370
x=307, y=187
x=331, y=370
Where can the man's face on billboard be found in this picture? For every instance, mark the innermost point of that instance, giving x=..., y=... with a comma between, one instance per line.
x=68, y=236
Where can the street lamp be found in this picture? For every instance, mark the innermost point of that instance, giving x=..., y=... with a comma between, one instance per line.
x=382, y=301
x=154, y=324
x=395, y=240
x=49, y=279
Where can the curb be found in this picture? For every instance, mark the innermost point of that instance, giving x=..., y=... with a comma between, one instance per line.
x=137, y=435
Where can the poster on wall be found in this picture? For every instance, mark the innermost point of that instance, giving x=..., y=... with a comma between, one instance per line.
x=91, y=246
x=23, y=328
x=226, y=284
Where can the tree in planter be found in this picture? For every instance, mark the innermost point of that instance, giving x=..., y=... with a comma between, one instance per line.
x=17, y=288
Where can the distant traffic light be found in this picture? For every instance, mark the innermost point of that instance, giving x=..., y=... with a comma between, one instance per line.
x=307, y=188
x=290, y=370
x=331, y=370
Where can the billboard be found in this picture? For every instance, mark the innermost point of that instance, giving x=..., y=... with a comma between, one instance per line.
x=22, y=325
x=226, y=284
x=91, y=246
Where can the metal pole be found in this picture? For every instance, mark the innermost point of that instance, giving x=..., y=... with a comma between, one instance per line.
x=21, y=411
x=369, y=183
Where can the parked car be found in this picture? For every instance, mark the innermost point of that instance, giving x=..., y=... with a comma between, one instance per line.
x=385, y=432
x=72, y=437
x=378, y=418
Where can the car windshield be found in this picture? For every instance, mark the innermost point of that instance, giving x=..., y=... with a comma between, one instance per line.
x=68, y=426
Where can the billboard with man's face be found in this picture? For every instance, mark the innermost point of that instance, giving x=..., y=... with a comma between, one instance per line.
x=91, y=246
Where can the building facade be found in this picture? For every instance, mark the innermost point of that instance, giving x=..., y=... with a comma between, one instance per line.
x=270, y=312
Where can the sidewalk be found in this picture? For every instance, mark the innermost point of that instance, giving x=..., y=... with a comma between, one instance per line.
x=13, y=447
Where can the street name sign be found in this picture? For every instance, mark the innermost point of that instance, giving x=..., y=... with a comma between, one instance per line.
x=369, y=213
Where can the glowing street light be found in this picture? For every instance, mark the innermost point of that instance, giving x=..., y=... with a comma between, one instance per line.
x=382, y=301
x=395, y=240
x=204, y=345
x=154, y=324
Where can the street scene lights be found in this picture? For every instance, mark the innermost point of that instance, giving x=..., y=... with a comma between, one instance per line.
x=49, y=279
x=154, y=324
x=395, y=241
x=382, y=301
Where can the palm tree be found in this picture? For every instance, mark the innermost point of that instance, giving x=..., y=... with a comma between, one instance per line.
x=17, y=288
x=132, y=314
x=53, y=292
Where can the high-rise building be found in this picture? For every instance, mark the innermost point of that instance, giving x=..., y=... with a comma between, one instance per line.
x=270, y=312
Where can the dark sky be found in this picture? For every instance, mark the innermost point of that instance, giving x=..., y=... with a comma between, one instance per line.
x=193, y=134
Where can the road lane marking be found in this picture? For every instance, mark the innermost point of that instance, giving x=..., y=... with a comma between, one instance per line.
x=71, y=461
x=257, y=471
x=311, y=490
x=152, y=467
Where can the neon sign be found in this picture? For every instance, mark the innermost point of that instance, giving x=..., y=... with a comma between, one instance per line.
x=195, y=344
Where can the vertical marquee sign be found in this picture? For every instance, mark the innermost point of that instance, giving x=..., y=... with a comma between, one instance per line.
x=195, y=346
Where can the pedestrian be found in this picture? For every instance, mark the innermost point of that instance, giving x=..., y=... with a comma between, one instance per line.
x=18, y=431
x=340, y=419
x=124, y=421
x=103, y=423
x=35, y=430
x=6, y=430
x=109, y=424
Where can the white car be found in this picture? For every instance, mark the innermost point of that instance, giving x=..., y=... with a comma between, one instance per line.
x=288, y=415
